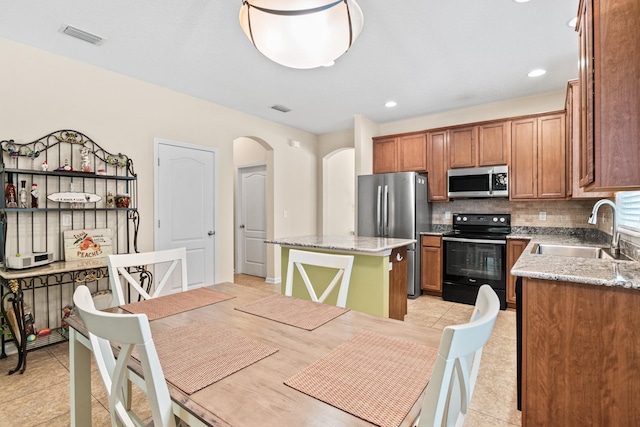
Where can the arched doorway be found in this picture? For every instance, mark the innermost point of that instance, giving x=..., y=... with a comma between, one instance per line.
x=338, y=192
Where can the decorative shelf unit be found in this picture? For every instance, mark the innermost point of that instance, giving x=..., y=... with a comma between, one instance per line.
x=76, y=165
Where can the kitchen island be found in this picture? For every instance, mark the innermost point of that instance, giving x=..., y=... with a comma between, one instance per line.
x=580, y=338
x=379, y=277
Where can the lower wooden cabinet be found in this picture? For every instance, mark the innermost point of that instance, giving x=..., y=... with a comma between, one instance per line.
x=515, y=247
x=580, y=353
x=398, y=276
x=431, y=265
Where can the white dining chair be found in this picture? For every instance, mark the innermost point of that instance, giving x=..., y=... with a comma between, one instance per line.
x=129, y=330
x=166, y=261
x=454, y=375
x=300, y=259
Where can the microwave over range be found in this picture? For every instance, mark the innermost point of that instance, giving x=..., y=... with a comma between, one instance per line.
x=490, y=181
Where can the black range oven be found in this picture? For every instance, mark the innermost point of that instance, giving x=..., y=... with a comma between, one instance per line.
x=475, y=254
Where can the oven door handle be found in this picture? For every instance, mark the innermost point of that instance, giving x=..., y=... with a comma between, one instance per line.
x=459, y=239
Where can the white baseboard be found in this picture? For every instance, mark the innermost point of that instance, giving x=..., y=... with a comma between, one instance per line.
x=273, y=280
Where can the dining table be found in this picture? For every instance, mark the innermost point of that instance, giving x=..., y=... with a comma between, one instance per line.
x=283, y=381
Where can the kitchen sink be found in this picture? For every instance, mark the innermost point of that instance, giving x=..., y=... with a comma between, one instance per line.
x=575, y=251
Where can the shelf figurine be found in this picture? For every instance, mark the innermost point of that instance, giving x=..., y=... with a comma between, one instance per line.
x=45, y=166
x=85, y=164
x=35, y=194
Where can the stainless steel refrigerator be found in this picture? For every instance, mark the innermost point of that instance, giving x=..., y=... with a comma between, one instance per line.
x=396, y=205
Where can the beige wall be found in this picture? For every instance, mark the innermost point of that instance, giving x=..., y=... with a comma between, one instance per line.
x=512, y=108
x=42, y=92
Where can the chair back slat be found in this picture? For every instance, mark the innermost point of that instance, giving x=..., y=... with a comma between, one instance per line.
x=298, y=260
x=129, y=330
x=448, y=395
x=120, y=279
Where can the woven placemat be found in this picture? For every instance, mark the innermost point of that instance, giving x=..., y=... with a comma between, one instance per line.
x=374, y=377
x=197, y=355
x=292, y=311
x=169, y=305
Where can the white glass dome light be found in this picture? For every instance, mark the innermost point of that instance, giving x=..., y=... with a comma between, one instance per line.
x=315, y=34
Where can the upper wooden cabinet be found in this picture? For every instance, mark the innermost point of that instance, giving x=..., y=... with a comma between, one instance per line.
x=494, y=143
x=385, y=155
x=405, y=153
x=538, y=162
x=412, y=153
x=572, y=105
x=609, y=48
x=463, y=144
x=437, y=165
x=486, y=144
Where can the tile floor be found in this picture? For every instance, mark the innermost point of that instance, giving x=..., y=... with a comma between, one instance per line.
x=40, y=397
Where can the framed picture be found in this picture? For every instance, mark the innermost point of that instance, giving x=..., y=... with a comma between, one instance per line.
x=87, y=244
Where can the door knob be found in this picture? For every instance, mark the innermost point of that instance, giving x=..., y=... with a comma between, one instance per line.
x=211, y=233
x=242, y=226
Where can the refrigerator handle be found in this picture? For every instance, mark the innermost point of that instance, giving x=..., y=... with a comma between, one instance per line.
x=379, y=212
x=385, y=217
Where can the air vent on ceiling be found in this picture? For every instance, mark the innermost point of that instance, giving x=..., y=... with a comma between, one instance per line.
x=82, y=35
x=281, y=108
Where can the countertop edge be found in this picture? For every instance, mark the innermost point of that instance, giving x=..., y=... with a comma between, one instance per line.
x=598, y=272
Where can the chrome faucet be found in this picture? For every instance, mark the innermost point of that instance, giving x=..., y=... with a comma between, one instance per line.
x=593, y=219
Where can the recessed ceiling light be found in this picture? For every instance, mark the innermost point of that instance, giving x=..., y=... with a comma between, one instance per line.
x=537, y=73
x=390, y=104
x=572, y=23
x=521, y=1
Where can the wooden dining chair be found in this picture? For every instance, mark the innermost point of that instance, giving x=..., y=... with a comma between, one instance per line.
x=454, y=375
x=300, y=259
x=121, y=279
x=129, y=330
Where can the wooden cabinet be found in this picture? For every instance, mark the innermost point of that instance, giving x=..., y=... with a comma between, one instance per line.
x=398, y=276
x=463, y=147
x=572, y=105
x=437, y=165
x=431, y=265
x=384, y=155
x=494, y=142
x=538, y=162
x=486, y=144
x=515, y=247
x=580, y=352
x=609, y=48
x=412, y=153
x=407, y=153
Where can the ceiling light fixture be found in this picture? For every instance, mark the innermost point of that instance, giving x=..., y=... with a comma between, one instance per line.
x=307, y=38
x=390, y=104
x=537, y=73
x=521, y=1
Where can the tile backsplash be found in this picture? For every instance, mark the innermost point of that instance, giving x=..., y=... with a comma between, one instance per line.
x=558, y=213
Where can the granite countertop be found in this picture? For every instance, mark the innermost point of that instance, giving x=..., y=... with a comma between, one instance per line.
x=603, y=272
x=366, y=245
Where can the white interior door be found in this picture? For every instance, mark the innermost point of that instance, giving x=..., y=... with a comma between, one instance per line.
x=251, y=220
x=185, y=206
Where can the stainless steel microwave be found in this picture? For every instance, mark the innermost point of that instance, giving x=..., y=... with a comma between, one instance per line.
x=490, y=181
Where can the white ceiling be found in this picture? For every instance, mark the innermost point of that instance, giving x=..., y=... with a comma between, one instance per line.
x=428, y=55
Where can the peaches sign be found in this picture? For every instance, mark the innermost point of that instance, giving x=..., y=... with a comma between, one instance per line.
x=87, y=244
